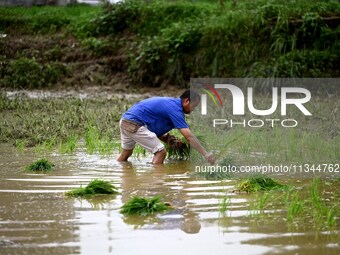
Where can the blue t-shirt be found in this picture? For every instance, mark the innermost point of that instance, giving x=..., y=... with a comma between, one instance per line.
x=159, y=114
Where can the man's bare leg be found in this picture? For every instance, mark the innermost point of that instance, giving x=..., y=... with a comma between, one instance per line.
x=159, y=157
x=124, y=155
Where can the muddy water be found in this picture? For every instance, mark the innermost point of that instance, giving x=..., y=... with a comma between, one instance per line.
x=35, y=217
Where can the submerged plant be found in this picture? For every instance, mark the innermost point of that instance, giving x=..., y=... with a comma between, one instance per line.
x=41, y=165
x=95, y=187
x=224, y=204
x=259, y=184
x=144, y=206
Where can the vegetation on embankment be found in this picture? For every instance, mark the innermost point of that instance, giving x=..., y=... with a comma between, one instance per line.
x=161, y=42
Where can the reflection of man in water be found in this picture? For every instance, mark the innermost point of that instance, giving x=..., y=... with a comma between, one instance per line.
x=148, y=121
x=153, y=182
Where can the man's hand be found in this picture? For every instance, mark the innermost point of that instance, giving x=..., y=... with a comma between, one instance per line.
x=195, y=143
x=210, y=157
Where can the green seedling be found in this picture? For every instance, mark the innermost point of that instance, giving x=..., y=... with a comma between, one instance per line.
x=144, y=206
x=70, y=145
x=95, y=187
x=260, y=203
x=314, y=192
x=255, y=184
x=296, y=207
x=330, y=216
x=224, y=204
x=41, y=165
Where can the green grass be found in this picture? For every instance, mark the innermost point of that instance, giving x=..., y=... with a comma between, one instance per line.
x=47, y=19
x=224, y=204
x=321, y=212
x=163, y=42
x=144, y=206
x=69, y=145
x=260, y=203
x=314, y=140
x=41, y=165
x=296, y=207
x=48, y=123
x=95, y=187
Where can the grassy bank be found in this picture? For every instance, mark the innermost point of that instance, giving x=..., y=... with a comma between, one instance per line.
x=161, y=42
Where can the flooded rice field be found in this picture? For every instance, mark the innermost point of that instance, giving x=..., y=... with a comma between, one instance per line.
x=37, y=218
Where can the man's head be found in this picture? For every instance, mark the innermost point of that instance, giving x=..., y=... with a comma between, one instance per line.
x=190, y=99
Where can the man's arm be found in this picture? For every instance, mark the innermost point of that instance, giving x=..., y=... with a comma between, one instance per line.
x=195, y=143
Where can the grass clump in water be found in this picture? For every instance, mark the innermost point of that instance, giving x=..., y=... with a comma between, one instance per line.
x=259, y=183
x=144, y=206
x=41, y=165
x=95, y=187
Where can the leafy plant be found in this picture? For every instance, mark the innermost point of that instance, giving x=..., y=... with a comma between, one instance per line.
x=41, y=165
x=95, y=187
x=224, y=204
x=144, y=206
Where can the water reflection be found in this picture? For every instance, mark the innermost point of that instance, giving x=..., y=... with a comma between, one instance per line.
x=151, y=183
x=35, y=217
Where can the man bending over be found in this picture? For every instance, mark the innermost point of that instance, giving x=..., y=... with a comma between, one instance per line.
x=148, y=121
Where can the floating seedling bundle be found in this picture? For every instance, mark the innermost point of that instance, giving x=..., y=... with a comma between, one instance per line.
x=259, y=183
x=41, y=165
x=144, y=206
x=95, y=187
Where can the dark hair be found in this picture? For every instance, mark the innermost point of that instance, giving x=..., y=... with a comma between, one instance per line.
x=191, y=94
